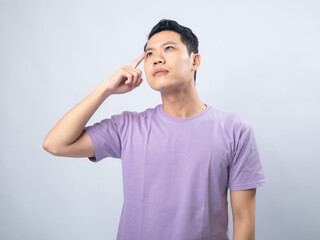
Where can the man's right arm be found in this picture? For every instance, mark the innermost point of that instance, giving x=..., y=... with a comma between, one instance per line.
x=68, y=138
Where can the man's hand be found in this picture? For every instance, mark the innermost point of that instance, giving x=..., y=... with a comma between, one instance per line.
x=126, y=78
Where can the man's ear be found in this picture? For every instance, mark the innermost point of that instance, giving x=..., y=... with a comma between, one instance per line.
x=196, y=61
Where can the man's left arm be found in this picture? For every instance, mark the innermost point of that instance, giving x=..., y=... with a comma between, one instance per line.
x=243, y=212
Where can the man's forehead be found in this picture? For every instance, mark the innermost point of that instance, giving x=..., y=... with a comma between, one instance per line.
x=162, y=38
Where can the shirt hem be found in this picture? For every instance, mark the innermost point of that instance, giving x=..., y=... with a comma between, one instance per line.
x=249, y=186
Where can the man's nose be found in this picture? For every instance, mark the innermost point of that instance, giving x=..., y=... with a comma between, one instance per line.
x=158, y=59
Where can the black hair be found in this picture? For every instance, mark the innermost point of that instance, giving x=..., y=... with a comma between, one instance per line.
x=189, y=39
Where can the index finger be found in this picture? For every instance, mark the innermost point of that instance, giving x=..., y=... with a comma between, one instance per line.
x=136, y=62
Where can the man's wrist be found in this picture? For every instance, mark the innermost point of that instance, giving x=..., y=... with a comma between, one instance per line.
x=104, y=90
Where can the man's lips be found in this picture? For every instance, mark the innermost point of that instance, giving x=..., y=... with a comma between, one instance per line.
x=160, y=71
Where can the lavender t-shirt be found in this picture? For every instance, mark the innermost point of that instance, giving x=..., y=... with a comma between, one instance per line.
x=176, y=171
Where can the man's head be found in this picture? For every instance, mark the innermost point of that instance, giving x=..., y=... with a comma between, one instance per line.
x=174, y=48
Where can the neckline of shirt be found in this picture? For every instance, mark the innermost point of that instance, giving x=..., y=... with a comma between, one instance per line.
x=180, y=120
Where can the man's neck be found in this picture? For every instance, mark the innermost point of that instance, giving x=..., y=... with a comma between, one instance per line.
x=182, y=104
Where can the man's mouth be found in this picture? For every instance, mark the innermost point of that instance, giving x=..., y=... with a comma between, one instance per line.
x=159, y=72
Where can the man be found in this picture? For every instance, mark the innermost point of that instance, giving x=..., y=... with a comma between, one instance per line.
x=178, y=158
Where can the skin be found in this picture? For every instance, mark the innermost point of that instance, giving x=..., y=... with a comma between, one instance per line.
x=178, y=92
x=243, y=213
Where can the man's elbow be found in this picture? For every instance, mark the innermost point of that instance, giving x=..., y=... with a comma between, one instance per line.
x=50, y=148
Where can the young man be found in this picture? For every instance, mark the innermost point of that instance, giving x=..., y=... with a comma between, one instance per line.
x=178, y=158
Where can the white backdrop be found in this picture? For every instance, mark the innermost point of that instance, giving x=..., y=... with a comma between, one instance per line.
x=260, y=60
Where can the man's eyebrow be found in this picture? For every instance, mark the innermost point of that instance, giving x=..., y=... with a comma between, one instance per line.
x=163, y=44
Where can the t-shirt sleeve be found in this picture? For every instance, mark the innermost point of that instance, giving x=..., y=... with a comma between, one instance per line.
x=106, y=138
x=246, y=169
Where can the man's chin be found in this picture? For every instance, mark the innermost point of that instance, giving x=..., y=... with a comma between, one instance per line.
x=158, y=83
x=165, y=84
x=164, y=88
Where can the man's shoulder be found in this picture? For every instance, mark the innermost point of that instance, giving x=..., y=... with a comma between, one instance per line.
x=229, y=118
x=135, y=114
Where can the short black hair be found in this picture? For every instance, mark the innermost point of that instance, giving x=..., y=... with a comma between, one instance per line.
x=189, y=39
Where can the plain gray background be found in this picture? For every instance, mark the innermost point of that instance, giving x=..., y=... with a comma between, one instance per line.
x=260, y=60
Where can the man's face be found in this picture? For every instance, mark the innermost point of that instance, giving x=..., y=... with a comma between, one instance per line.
x=166, y=52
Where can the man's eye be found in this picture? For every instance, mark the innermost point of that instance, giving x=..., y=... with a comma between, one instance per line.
x=148, y=54
x=168, y=47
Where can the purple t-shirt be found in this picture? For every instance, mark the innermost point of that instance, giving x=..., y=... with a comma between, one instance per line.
x=176, y=171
